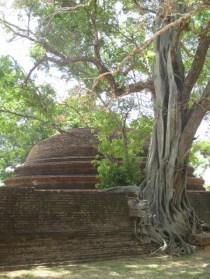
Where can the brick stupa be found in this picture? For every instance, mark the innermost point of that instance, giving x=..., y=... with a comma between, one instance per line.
x=60, y=162
x=64, y=162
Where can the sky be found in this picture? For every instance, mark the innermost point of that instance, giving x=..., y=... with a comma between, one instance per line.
x=20, y=50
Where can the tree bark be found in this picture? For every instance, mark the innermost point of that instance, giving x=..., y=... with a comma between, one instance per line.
x=166, y=171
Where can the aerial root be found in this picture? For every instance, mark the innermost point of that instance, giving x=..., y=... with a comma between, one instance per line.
x=173, y=245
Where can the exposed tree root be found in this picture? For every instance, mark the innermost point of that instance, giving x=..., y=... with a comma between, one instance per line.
x=170, y=243
x=169, y=235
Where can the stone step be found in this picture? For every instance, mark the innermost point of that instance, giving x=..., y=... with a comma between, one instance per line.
x=190, y=170
x=195, y=188
x=62, y=159
x=50, y=249
x=69, y=173
x=202, y=239
x=60, y=151
x=54, y=181
x=61, y=254
x=195, y=184
x=57, y=168
x=194, y=181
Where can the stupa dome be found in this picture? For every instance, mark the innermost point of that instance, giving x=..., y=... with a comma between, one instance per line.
x=62, y=161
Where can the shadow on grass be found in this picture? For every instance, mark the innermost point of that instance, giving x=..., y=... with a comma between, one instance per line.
x=192, y=267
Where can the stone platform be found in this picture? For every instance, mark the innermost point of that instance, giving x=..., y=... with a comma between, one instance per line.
x=46, y=226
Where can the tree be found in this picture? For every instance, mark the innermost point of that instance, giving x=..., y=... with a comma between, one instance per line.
x=29, y=114
x=121, y=136
x=110, y=47
x=25, y=115
x=122, y=144
x=199, y=157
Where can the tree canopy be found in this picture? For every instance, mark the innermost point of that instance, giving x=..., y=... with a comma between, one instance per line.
x=108, y=45
x=22, y=115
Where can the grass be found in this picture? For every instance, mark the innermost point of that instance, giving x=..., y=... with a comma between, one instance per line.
x=196, y=266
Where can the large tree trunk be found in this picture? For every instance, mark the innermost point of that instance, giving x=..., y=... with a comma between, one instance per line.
x=165, y=186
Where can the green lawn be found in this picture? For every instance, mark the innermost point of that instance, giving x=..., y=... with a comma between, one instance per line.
x=193, y=267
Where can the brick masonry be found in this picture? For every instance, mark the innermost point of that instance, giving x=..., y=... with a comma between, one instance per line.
x=38, y=226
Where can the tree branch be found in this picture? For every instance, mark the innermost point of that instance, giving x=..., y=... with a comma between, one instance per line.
x=99, y=62
x=104, y=73
x=19, y=114
x=142, y=9
x=64, y=60
x=27, y=116
x=70, y=9
x=198, y=62
x=71, y=60
x=137, y=87
x=132, y=67
x=186, y=50
x=118, y=91
x=36, y=65
x=139, y=49
x=195, y=117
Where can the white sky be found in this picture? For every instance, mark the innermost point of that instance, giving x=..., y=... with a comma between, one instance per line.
x=20, y=49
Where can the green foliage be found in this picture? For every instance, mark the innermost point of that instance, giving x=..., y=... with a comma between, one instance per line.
x=121, y=142
x=189, y=45
x=200, y=154
x=73, y=34
x=113, y=173
x=37, y=52
x=199, y=158
x=31, y=114
x=117, y=28
x=122, y=147
x=24, y=116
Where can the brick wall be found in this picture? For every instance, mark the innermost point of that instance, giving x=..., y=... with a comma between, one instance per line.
x=44, y=226
x=201, y=202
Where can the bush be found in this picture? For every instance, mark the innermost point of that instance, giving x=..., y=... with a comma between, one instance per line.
x=123, y=151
